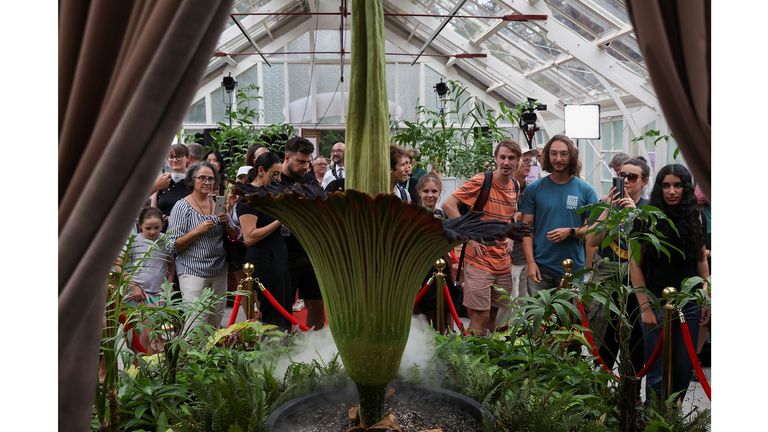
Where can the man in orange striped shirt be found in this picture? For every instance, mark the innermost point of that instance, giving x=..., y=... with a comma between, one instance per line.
x=488, y=265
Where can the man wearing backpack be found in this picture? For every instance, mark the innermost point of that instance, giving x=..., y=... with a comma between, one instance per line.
x=495, y=194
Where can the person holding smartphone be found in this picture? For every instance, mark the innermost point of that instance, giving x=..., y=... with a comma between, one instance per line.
x=197, y=239
x=612, y=261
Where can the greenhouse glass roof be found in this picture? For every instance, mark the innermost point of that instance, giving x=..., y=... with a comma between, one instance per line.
x=570, y=52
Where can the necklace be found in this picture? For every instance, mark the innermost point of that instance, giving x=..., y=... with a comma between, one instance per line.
x=201, y=207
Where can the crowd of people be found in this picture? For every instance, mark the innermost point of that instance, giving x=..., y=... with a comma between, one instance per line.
x=196, y=226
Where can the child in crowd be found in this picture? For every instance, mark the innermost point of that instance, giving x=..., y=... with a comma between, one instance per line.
x=149, y=265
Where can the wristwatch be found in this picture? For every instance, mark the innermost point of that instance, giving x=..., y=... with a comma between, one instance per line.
x=572, y=232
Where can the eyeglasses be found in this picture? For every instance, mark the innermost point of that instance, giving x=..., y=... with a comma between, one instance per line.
x=204, y=179
x=631, y=177
x=175, y=157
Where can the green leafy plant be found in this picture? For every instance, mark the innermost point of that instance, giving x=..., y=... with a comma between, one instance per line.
x=459, y=140
x=656, y=136
x=235, y=135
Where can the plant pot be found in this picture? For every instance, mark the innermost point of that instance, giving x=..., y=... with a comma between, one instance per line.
x=416, y=408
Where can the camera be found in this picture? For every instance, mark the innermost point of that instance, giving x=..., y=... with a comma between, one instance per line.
x=618, y=183
x=528, y=118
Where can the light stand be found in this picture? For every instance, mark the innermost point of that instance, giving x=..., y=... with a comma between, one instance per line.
x=229, y=85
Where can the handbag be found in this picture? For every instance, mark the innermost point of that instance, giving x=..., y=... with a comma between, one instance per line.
x=235, y=249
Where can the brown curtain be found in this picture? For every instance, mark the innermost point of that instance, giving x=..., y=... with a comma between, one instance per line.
x=674, y=38
x=127, y=73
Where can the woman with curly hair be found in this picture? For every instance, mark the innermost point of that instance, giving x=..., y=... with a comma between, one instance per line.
x=673, y=194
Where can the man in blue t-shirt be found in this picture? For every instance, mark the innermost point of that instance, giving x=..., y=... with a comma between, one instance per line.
x=549, y=205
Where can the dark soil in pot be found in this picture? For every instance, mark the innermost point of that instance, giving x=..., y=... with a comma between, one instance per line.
x=416, y=408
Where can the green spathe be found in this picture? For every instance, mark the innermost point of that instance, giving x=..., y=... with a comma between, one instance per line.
x=367, y=135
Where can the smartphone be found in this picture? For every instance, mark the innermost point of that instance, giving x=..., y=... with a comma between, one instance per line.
x=618, y=183
x=220, y=204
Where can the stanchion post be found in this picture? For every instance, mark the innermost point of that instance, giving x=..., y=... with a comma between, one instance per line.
x=248, y=269
x=670, y=312
x=440, y=281
x=567, y=266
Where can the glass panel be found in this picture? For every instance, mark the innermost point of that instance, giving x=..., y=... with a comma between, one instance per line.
x=196, y=113
x=408, y=88
x=582, y=75
x=300, y=44
x=616, y=7
x=274, y=93
x=519, y=57
x=298, y=81
x=573, y=25
x=249, y=76
x=628, y=46
x=529, y=40
x=550, y=85
x=327, y=78
x=327, y=40
x=583, y=16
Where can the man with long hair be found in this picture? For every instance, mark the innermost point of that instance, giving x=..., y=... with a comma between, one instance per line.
x=549, y=205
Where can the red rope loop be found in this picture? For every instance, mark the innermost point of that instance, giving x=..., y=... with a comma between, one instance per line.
x=280, y=308
x=694, y=359
x=235, y=307
x=596, y=352
x=423, y=290
x=454, y=314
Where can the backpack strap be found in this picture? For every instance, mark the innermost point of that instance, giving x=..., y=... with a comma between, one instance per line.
x=480, y=202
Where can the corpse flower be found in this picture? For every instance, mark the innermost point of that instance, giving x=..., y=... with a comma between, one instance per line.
x=370, y=251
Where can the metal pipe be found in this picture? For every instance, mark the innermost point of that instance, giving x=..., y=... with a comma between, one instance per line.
x=247, y=36
x=670, y=311
x=509, y=17
x=440, y=281
x=439, y=29
x=343, y=53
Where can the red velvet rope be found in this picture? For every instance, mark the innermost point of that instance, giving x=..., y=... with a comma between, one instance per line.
x=588, y=335
x=596, y=352
x=455, y=315
x=695, y=360
x=652, y=358
x=235, y=307
x=453, y=256
x=281, y=309
x=423, y=291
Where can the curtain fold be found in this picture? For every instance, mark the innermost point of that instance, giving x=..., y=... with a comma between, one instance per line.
x=674, y=38
x=127, y=73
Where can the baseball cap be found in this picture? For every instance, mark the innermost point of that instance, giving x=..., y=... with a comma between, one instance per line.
x=243, y=170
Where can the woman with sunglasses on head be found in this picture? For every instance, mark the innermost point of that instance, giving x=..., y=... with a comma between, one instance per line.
x=170, y=186
x=673, y=194
x=611, y=262
x=197, y=238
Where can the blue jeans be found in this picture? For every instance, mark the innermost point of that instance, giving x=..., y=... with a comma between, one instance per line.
x=681, y=363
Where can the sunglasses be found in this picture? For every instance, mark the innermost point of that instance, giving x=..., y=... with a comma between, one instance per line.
x=631, y=177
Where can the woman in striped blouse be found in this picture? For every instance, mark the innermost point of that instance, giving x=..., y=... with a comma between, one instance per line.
x=198, y=236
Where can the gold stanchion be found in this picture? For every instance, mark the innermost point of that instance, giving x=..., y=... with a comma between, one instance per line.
x=670, y=312
x=249, y=302
x=440, y=282
x=567, y=266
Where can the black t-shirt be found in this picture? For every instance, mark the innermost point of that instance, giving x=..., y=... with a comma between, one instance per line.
x=270, y=250
x=661, y=271
x=295, y=250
